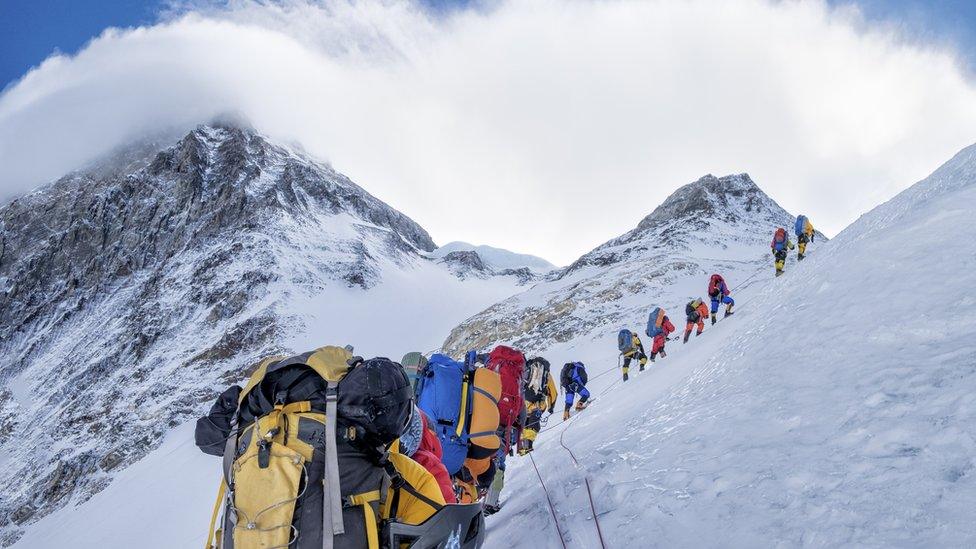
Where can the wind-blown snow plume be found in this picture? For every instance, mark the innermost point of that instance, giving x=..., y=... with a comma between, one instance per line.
x=521, y=106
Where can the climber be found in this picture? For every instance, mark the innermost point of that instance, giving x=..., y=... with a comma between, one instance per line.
x=696, y=311
x=661, y=337
x=422, y=445
x=540, y=395
x=343, y=436
x=804, y=234
x=636, y=352
x=573, y=380
x=414, y=364
x=718, y=290
x=780, y=246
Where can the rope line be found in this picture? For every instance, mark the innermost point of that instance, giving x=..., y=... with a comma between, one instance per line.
x=589, y=493
x=552, y=508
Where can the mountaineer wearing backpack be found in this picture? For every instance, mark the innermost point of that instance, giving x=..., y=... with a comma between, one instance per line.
x=634, y=351
x=780, y=246
x=461, y=402
x=696, y=312
x=311, y=459
x=414, y=364
x=718, y=290
x=540, y=394
x=509, y=363
x=804, y=234
x=420, y=443
x=659, y=327
x=573, y=380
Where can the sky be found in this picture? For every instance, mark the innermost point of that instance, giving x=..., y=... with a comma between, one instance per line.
x=541, y=126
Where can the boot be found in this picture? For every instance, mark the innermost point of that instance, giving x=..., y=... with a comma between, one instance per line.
x=663, y=354
x=625, y=376
x=799, y=257
x=526, y=447
x=687, y=335
x=779, y=272
x=581, y=405
x=728, y=311
x=565, y=414
x=490, y=509
x=714, y=320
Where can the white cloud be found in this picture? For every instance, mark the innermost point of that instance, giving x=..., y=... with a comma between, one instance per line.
x=538, y=125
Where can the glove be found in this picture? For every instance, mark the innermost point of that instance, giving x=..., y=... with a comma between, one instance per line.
x=551, y=409
x=811, y=238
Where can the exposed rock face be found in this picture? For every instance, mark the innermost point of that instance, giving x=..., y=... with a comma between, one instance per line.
x=712, y=225
x=131, y=292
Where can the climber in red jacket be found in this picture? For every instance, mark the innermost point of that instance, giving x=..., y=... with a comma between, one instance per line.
x=657, y=347
x=421, y=444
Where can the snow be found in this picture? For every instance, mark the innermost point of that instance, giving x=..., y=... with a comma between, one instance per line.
x=836, y=408
x=497, y=257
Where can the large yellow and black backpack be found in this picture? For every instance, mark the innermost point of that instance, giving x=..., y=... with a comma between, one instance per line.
x=306, y=465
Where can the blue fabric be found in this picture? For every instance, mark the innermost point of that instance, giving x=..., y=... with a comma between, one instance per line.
x=624, y=340
x=801, y=221
x=584, y=394
x=725, y=299
x=440, y=399
x=652, y=328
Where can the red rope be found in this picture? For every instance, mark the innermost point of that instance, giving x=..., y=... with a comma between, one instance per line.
x=589, y=494
x=551, y=508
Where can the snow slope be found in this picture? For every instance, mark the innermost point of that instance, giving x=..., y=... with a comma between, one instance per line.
x=497, y=258
x=836, y=408
x=140, y=294
x=713, y=225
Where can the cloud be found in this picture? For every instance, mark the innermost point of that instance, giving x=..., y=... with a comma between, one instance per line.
x=542, y=126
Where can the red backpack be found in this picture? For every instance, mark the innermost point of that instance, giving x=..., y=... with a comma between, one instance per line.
x=510, y=365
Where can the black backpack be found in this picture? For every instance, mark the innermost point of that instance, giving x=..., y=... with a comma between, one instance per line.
x=536, y=379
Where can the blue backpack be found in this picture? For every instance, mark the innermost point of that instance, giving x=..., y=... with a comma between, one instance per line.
x=654, y=323
x=442, y=387
x=801, y=224
x=625, y=340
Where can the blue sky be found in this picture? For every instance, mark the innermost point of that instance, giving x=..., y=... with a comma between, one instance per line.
x=30, y=30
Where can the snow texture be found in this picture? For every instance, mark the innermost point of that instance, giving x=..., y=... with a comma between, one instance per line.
x=837, y=408
x=133, y=293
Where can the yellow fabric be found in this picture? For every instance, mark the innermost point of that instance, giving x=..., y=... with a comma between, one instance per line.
x=258, y=375
x=216, y=512
x=484, y=412
x=462, y=411
x=808, y=228
x=330, y=362
x=372, y=525
x=530, y=434
x=553, y=392
x=265, y=497
x=803, y=247
x=469, y=492
x=780, y=265
x=412, y=510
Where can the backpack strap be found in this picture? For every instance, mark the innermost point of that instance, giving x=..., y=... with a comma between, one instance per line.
x=364, y=500
x=213, y=517
x=332, y=501
x=462, y=412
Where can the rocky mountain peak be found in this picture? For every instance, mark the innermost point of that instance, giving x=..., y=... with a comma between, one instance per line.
x=709, y=197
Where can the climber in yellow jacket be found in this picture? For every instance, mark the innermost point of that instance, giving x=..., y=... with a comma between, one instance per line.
x=541, y=394
x=636, y=352
x=804, y=235
x=308, y=461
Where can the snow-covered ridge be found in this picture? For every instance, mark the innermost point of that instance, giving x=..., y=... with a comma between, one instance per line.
x=837, y=408
x=497, y=258
x=711, y=225
x=133, y=292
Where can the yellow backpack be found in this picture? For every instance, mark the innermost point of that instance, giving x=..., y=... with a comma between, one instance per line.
x=291, y=482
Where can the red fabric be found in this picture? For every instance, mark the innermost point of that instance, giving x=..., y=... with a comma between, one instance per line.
x=703, y=311
x=429, y=455
x=510, y=365
x=780, y=236
x=662, y=337
x=690, y=325
x=717, y=282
